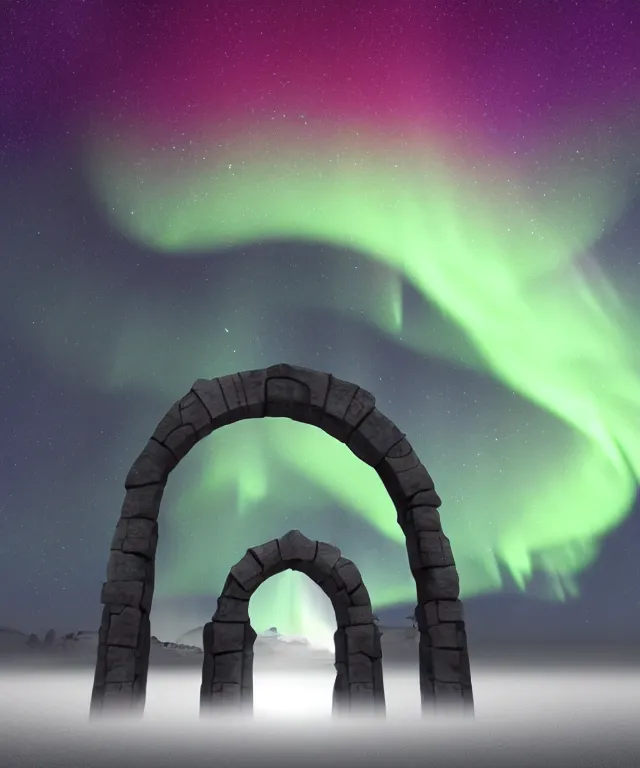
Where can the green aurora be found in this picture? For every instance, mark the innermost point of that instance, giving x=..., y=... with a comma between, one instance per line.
x=505, y=255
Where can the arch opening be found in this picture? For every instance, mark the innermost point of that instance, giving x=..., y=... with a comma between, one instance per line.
x=347, y=413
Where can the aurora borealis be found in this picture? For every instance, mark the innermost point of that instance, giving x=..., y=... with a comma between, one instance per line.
x=434, y=203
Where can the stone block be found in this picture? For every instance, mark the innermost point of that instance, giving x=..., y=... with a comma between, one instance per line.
x=402, y=486
x=360, y=614
x=152, y=466
x=316, y=383
x=402, y=462
x=362, y=404
x=141, y=538
x=227, y=667
x=193, y=413
x=435, y=549
x=326, y=557
x=248, y=573
x=348, y=573
x=209, y=392
x=121, y=664
x=360, y=596
x=446, y=636
x=424, y=519
x=227, y=637
x=288, y=398
x=254, y=385
x=359, y=668
x=374, y=438
x=124, y=628
x=230, y=610
x=363, y=639
x=122, y=593
x=268, y=554
x=233, y=589
x=427, y=498
x=436, y=611
x=448, y=666
x=143, y=502
x=181, y=440
x=234, y=396
x=339, y=398
x=126, y=567
x=341, y=604
x=437, y=583
x=170, y=421
x=295, y=546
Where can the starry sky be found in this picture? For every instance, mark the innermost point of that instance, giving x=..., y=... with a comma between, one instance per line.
x=438, y=201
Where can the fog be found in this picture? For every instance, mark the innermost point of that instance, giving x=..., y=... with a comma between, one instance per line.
x=524, y=716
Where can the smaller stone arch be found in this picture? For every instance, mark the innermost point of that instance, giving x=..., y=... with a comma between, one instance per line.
x=227, y=669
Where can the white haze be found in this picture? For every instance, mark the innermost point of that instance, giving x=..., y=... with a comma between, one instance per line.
x=529, y=717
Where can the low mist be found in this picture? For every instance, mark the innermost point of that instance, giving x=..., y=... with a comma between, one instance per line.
x=574, y=716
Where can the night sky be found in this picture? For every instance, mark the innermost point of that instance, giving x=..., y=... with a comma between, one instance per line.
x=438, y=201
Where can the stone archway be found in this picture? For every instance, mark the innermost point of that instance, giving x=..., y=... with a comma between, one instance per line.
x=344, y=411
x=227, y=669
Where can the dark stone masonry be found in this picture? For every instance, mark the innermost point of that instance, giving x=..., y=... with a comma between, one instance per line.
x=227, y=671
x=344, y=411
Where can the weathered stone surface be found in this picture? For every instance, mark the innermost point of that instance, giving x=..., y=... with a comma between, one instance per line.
x=435, y=548
x=326, y=557
x=153, y=465
x=140, y=537
x=431, y=613
x=181, y=440
x=427, y=498
x=295, y=546
x=254, y=385
x=248, y=573
x=233, y=589
x=346, y=412
x=402, y=463
x=437, y=583
x=232, y=610
x=374, y=438
x=449, y=666
x=126, y=567
x=143, y=502
x=194, y=413
x=121, y=664
x=233, y=392
x=425, y=518
x=227, y=667
x=124, y=628
x=268, y=554
x=122, y=593
x=360, y=669
x=447, y=636
x=227, y=637
x=348, y=574
x=404, y=485
x=364, y=639
x=339, y=398
x=362, y=404
x=360, y=596
x=360, y=614
x=211, y=396
x=315, y=383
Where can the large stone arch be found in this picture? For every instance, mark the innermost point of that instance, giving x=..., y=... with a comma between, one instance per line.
x=344, y=411
x=227, y=669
